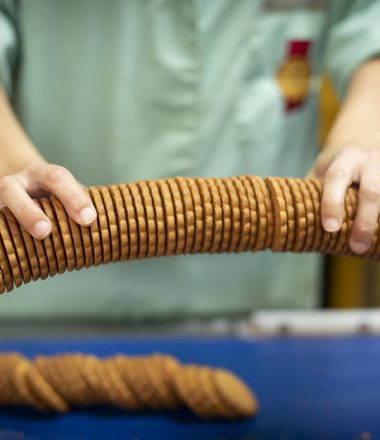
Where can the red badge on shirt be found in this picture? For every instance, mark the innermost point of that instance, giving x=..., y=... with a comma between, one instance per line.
x=293, y=75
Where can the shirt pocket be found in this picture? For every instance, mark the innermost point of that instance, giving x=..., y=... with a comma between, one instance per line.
x=281, y=75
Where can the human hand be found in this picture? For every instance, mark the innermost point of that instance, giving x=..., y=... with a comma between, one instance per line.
x=39, y=178
x=338, y=168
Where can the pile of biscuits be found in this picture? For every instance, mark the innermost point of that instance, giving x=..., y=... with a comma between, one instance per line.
x=176, y=216
x=156, y=382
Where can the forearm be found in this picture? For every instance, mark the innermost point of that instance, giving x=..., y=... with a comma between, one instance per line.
x=360, y=112
x=352, y=155
x=16, y=149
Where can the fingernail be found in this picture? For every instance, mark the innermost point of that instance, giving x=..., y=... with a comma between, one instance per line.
x=359, y=248
x=87, y=215
x=331, y=224
x=41, y=228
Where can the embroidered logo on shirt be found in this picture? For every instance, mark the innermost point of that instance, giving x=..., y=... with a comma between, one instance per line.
x=293, y=75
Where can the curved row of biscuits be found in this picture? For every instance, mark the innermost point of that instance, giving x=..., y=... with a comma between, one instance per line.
x=157, y=382
x=176, y=216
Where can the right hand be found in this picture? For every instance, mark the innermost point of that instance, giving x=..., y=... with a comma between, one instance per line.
x=39, y=178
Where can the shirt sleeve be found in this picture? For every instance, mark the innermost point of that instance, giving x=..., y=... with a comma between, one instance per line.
x=353, y=38
x=8, y=45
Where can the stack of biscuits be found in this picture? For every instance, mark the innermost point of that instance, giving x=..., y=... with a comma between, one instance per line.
x=176, y=216
x=157, y=382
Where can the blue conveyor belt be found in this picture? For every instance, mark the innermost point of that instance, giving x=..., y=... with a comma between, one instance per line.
x=309, y=388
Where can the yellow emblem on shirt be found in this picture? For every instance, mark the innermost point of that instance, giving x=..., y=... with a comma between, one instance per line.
x=293, y=75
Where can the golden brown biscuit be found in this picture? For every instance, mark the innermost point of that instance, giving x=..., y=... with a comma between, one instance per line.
x=141, y=221
x=226, y=216
x=63, y=372
x=123, y=395
x=85, y=232
x=262, y=217
x=121, y=221
x=236, y=220
x=299, y=214
x=150, y=218
x=317, y=232
x=31, y=253
x=162, y=376
x=56, y=237
x=216, y=405
x=43, y=392
x=189, y=215
x=48, y=243
x=190, y=391
x=245, y=230
x=235, y=394
x=148, y=389
x=208, y=214
x=104, y=231
x=179, y=216
x=159, y=218
x=169, y=216
x=131, y=222
x=42, y=258
x=2, y=282
x=290, y=211
x=10, y=253
x=64, y=228
x=216, y=203
x=78, y=244
x=309, y=214
x=198, y=216
x=111, y=221
x=94, y=233
x=253, y=212
x=129, y=371
x=280, y=214
x=19, y=246
x=18, y=377
x=269, y=212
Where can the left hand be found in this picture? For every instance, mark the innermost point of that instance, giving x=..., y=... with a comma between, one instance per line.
x=338, y=168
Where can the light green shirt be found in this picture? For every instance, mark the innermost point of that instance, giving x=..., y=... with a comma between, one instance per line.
x=124, y=90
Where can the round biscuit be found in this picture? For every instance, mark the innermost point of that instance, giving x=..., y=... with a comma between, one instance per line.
x=102, y=225
x=189, y=215
x=111, y=221
x=131, y=217
x=19, y=246
x=10, y=252
x=121, y=220
x=216, y=202
x=179, y=210
x=63, y=225
x=253, y=212
x=280, y=214
x=159, y=218
x=245, y=214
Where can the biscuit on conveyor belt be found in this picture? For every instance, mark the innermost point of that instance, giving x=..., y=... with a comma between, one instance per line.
x=155, y=382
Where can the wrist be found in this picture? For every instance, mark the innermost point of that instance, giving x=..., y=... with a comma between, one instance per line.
x=20, y=159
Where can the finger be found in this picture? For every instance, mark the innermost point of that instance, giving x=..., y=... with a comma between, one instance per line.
x=338, y=177
x=368, y=208
x=60, y=182
x=30, y=216
x=320, y=166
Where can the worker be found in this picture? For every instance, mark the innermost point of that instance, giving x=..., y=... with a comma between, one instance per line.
x=97, y=92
